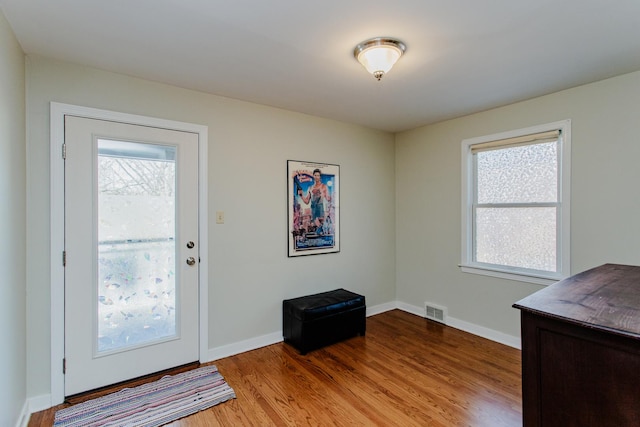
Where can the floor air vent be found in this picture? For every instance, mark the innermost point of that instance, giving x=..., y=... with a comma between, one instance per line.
x=436, y=312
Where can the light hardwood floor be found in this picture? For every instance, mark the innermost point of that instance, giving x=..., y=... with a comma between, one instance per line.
x=406, y=371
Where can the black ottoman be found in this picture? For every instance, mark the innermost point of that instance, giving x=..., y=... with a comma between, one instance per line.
x=313, y=321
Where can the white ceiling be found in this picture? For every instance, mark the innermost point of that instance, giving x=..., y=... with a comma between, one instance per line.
x=463, y=56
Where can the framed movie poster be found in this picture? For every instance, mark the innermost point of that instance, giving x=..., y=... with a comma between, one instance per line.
x=313, y=195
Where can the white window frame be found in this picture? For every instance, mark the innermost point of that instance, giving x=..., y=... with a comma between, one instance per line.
x=563, y=240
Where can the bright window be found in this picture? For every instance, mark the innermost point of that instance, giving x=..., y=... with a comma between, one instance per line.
x=516, y=204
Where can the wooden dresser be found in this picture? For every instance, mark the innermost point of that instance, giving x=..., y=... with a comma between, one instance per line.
x=581, y=350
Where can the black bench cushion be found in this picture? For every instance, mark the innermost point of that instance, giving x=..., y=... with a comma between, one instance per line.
x=311, y=307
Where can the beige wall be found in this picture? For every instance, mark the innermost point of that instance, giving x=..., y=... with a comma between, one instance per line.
x=400, y=205
x=249, y=145
x=605, y=202
x=12, y=227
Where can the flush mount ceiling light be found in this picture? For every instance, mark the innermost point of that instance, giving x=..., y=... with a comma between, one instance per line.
x=379, y=54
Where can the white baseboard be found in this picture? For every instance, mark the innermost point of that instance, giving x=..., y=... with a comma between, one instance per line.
x=418, y=311
x=242, y=346
x=32, y=405
x=483, y=332
x=381, y=308
x=272, y=338
x=275, y=337
x=25, y=415
x=40, y=403
x=472, y=328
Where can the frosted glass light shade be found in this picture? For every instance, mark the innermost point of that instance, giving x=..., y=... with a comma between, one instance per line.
x=378, y=55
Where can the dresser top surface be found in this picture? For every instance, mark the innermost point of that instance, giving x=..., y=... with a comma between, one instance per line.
x=605, y=297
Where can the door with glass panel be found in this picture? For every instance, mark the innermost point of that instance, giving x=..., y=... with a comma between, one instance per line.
x=131, y=249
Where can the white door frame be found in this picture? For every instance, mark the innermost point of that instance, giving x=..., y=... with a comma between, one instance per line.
x=58, y=111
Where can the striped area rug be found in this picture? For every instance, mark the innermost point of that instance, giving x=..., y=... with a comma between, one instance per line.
x=154, y=404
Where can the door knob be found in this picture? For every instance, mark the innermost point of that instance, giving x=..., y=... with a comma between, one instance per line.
x=191, y=260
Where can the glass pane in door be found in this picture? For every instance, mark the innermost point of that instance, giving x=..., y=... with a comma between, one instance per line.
x=136, y=292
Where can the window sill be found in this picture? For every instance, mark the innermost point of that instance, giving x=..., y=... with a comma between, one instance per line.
x=510, y=275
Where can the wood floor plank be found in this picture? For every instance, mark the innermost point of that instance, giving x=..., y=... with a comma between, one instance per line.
x=406, y=371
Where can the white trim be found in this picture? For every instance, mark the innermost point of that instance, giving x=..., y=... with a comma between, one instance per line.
x=276, y=337
x=565, y=195
x=41, y=403
x=381, y=308
x=472, y=328
x=25, y=415
x=481, y=331
x=31, y=406
x=203, y=235
x=58, y=111
x=418, y=311
x=494, y=272
x=243, y=346
x=564, y=192
x=56, y=248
